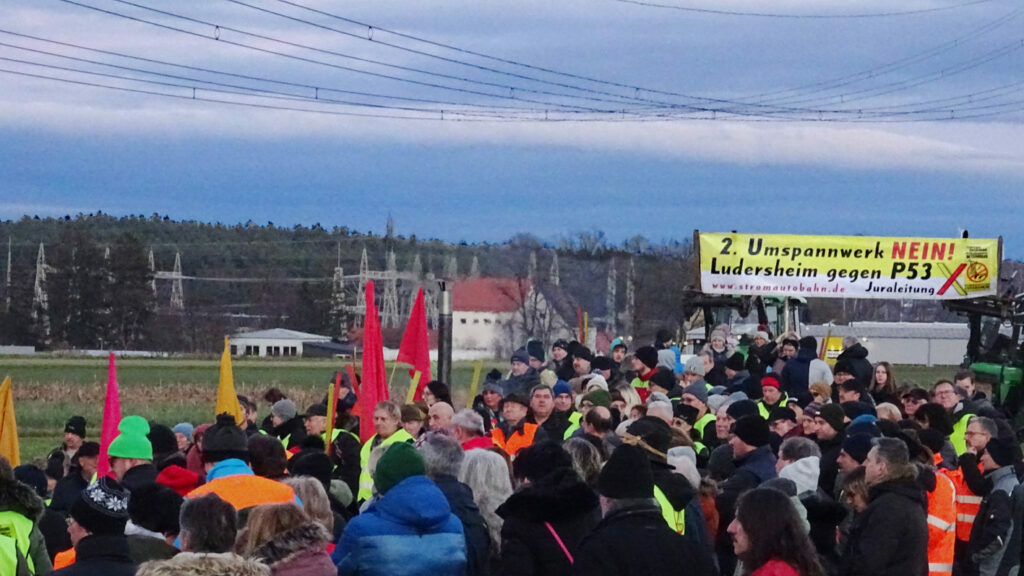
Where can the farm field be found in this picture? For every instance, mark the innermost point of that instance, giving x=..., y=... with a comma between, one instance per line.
x=48, y=390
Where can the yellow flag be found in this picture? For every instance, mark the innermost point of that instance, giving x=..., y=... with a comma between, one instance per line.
x=8, y=426
x=227, y=400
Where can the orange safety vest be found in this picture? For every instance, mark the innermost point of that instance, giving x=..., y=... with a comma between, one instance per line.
x=64, y=559
x=243, y=491
x=941, y=523
x=517, y=441
x=967, y=505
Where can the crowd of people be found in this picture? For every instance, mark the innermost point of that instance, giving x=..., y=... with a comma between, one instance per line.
x=753, y=457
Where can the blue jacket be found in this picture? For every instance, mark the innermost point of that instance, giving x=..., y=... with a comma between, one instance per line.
x=410, y=530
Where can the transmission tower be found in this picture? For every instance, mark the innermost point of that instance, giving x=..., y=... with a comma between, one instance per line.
x=430, y=299
x=389, y=307
x=177, y=290
x=554, y=269
x=40, y=301
x=629, y=316
x=474, y=268
x=152, y=271
x=610, y=298
x=531, y=268
x=7, y=282
x=364, y=277
x=451, y=269
x=417, y=267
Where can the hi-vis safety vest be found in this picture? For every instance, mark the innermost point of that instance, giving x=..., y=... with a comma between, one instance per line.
x=942, y=524
x=676, y=519
x=703, y=422
x=574, y=425
x=19, y=529
x=8, y=555
x=967, y=505
x=365, y=479
x=517, y=441
x=763, y=409
x=959, y=436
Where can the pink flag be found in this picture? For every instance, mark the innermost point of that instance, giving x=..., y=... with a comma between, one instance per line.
x=111, y=418
x=415, y=348
x=375, y=383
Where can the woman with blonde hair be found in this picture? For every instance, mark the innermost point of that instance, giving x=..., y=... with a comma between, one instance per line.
x=283, y=537
x=315, y=503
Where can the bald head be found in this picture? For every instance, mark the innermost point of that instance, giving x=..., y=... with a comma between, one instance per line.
x=441, y=416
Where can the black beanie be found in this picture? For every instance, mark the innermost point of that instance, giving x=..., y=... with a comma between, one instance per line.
x=834, y=415
x=664, y=378
x=33, y=477
x=742, y=408
x=102, y=507
x=654, y=431
x=753, y=430
x=664, y=335
x=76, y=425
x=583, y=353
x=736, y=362
x=844, y=366
x=538, y=460
x=648, y=356
x=808, y=343
x=535, y=349
x=1001, y=450
x=313, y=463
x=155, y=507
x=852, y=409
x=603, y=363
x=225, y=440
x=627, y=474
x=162, y=439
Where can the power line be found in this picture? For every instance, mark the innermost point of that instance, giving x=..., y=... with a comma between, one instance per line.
x=863, y=15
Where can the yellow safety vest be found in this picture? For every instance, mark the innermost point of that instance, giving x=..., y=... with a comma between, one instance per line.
x=8, y=556
x=959, y=436
x=574, y=425
x=365, y=479
x=703, y=422
x=676, y=519
x=762, y=408
x=19, y=529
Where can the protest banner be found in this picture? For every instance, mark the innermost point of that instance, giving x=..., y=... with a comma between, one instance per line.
x=848, y=266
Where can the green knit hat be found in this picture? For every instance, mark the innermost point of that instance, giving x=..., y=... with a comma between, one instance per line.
x=400, y=461
x=599, y=398
x=132, y=441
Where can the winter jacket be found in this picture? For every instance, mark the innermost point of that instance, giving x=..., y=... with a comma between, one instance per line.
x=291, y=432
x=740, y=382
x=478, y=541
x=101, y=555
x=54, y=528
x=635, y=541
x=759, y=358
x=990, y=535
x=192, y=564
x=523, y=383
x=345, y=455
x=891, y=537
x=235, y=482
x=857, y=356
x=824, y=515
x=298, y=552
x=804, y=473
x=830, y=450
x=67, y=490
x=145, y=547
x=20, y=511
x=775, y=568
x=491, y=418
x=410, y=530
x=757, y=467
x=560, y=500
x=802, y=371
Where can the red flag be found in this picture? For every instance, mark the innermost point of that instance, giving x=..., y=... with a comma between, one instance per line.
x=375, y=381
x=111, y=418
x=415, y=348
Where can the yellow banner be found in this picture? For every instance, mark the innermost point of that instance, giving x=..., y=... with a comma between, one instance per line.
x=848, y=266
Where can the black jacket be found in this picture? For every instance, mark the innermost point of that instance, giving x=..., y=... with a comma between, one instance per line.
x=682, y=496
x=68, y=489
x=795, y=377
x=637, y=542
x=857, y=356
x=100, y=555
x=560, y=499
x=830, y=450
x=345, y=456
x=294, y=430
x=478, y=541
x=751, y=471
x=891, y=536
x=54, y=528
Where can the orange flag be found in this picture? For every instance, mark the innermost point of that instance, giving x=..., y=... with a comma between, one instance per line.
x=8, y=427
x=227, y=399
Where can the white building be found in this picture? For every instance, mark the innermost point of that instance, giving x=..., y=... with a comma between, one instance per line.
x=273, y=342
x=924, y=343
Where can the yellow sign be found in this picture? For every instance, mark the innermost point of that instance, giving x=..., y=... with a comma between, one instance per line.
x=848, y=266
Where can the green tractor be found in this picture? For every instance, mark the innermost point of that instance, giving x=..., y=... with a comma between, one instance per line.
x=744, y=313
x=994, y=351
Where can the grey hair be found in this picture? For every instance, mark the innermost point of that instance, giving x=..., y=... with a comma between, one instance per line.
x=987, y=424
x=849, y=341
x=798, y=448
x=665, y=407
x=469, y=421
x=586, y=460
x=487, y=474
x=391, y=408
x=314, y=499
x=896, y=456
x=442, y=455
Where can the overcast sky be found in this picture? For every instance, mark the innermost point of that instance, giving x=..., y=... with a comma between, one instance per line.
x=753, y=157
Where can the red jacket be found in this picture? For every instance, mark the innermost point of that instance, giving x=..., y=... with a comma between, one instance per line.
x=775, y=568
x=478, y=442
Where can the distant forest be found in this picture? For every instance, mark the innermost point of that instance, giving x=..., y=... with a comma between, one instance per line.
x=99, y=288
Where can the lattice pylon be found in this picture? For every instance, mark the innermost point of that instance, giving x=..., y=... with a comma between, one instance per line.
x=451, y=269
x=430, y=299
x=629, y=318
x=474, y=268
x=389, y=305
x=555, y=279
x=338, y=300
x=610, y=297
x=7, y=280
x=40, y=299
x=531, y=268
x=177, y=287
x=152, y=272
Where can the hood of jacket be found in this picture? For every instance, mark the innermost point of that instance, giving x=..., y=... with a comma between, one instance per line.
x=805, y=355
x=292, y=543
x=415, y=501
x=855, y=352
x=192, y=564
x=20, y=498
x=804, y=473
x=926, y=478
x=559, y=495
x=904, y=488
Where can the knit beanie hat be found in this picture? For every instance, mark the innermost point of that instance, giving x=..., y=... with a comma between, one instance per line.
x=1001, y=450
x=535, y=349
x=517, y=399
x=663, y=378
x=864, y=424
x=599, y=398
x=102, y=507
x=738, y=410
x=808, y=343
x=520, y=356
x=771, y=382
x=833, y=414
x=780, y=414
x=698, y=390
x=76, y=426
x=654, y=431
x=666, y=358
x=163, y=440
x=178, y=479
x=813, y=409
x=492, y=386
x=736, y=362
x=185, y=428
x=753, y=430
x=648, y=356
x=155, y=507
x=132, y=441
x=225, y=440
x=32, y=476
x=627, y=474
x=853, y=409
x=583, y=353
x=317, y=409
x=843, y=366
x=284, y=409
x=694, y=365
x=560, y=343
x=603, y=363
x=595, y=381
x=561, y=387
x=399, y=462
x=313, y=463
x=857, y=447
